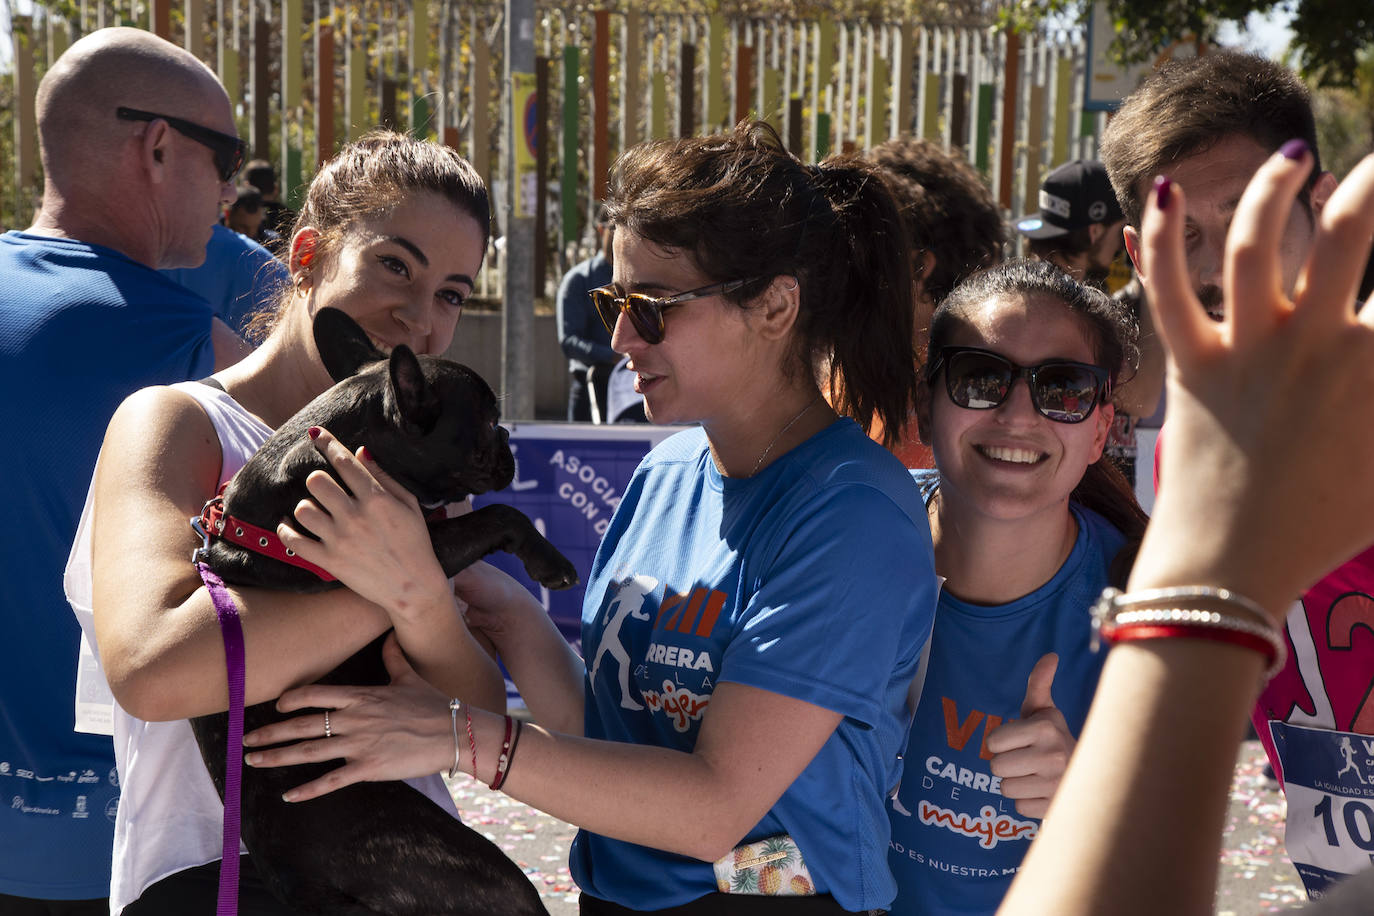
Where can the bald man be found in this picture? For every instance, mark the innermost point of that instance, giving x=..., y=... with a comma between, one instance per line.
x=139, y=152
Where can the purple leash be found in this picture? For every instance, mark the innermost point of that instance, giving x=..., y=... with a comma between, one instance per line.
x=232, y=631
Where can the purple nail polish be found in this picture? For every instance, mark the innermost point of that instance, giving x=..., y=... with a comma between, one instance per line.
x=1163, y=187
x=1294, y=149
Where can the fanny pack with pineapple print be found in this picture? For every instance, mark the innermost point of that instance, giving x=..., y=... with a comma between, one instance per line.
x=772, y=866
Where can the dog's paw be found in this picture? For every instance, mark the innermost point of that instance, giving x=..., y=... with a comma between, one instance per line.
x=550, y=568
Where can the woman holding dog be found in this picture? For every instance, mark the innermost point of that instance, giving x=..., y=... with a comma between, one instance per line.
x=392, y=233
x=767, y=577
x=1030, y=522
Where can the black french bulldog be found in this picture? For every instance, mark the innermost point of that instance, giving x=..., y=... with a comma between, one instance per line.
x=379, y=847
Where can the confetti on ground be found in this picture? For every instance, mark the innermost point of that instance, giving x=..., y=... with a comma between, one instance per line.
x=536, y=842
x=1257, y=876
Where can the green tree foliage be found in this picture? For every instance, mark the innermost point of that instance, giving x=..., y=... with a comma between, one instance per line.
x=1328, y=35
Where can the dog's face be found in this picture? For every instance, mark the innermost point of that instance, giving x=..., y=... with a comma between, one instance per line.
x=439, y=434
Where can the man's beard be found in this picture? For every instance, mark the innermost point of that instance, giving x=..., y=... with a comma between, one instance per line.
x=1213, y=301
x=1096, y=277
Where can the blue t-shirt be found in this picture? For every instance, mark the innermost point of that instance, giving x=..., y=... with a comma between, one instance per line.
x=815, y=579
x=956, y=842
x=81, y=327
x=239, y=277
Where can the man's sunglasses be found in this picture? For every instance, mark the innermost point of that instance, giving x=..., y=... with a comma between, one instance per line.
x=1061, y=390
x=229, y=150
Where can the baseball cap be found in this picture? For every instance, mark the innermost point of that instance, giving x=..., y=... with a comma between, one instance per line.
x=1075, y=195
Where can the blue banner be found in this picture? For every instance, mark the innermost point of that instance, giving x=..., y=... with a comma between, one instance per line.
x=568, y=479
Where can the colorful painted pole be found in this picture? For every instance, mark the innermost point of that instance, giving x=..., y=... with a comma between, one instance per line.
x=686, y=90
x=631, y=92
x=1011, y=88
x=568, y=181
x=715, y=72
x=324, y=93
x=261, y=89
x=601, y=105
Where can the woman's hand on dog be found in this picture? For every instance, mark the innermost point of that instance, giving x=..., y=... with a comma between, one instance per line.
x=372, y=535
x=399, y=731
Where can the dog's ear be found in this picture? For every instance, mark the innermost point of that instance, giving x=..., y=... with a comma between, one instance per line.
x=417, y=403
x=344, y=347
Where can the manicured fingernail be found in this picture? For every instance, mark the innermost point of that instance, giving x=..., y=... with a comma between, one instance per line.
x=314, y=432
x=1294, y=149
x=365, y=454
x=1163, y=187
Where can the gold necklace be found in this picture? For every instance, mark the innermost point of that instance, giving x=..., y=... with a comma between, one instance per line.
x=790, y=423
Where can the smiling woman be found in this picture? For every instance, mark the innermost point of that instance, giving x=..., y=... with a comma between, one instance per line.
x=748, y=644
x=1030, y=522
x=392, y=233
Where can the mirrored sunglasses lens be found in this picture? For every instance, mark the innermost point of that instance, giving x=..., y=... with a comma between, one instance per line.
x=976, y=381
x=1065, y=393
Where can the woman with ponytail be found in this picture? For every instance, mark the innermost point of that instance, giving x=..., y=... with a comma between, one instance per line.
x=757, y=609
x=1030, y=522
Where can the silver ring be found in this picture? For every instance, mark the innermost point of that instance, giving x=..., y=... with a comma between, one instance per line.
x=328, y=732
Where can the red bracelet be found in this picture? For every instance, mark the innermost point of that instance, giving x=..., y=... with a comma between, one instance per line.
x=503, y=759
x=1131, y=632
x=472, y=740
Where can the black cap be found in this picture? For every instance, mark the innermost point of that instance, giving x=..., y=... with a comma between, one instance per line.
x=1074, y=195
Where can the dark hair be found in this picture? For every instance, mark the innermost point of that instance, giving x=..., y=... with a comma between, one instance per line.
x=1189, y=105
x=1110, y=331
x=947, y=208
x=371, y=176
x=742, y=206
x=247, y=198
x=261, y=175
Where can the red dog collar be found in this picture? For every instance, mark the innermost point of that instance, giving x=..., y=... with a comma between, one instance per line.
x=213, y=522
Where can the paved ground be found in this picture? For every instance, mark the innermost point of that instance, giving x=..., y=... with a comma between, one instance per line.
x=1256, y=875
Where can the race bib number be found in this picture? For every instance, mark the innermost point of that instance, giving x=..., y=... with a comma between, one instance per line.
x=1329, y=780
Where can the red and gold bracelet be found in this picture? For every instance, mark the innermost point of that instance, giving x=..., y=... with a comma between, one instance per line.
x=503, y=759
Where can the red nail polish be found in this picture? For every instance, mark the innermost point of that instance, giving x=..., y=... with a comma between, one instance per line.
x=1163, y=186
x=366, y=455
x=314, y=432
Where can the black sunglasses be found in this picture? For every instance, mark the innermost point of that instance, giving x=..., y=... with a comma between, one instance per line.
x=229, y=150
x=646, y=312
x=1062, y=390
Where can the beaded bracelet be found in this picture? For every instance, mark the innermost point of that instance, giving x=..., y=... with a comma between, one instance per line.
x=1173, y=595
x=503, y=759
x=1118, y=617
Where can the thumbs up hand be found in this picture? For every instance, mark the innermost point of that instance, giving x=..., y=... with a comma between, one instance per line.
x=1030, y=754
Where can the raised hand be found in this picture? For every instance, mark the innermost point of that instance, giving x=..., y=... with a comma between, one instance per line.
x=1271, y=429
x=1030, y=754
